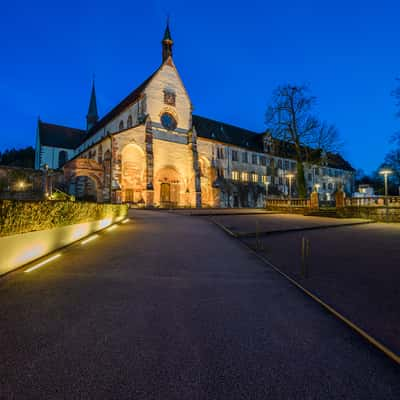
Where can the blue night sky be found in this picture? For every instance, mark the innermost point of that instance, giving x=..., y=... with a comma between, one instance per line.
x=230, y=56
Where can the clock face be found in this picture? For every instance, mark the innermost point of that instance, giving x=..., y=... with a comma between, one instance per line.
x=168, y=121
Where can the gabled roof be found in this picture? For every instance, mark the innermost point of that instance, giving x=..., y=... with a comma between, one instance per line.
x=226, y=133
x=126, y=102
x=60, y=136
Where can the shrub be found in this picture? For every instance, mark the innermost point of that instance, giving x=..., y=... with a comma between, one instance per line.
x=25, y=216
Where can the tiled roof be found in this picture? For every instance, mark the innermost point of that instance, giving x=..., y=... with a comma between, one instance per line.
x=60, y=136
x=230, y=134
x=226, y=133
x=126, y=102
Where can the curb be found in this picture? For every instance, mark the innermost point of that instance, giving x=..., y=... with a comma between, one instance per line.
x=310, y=228
x=374, y=342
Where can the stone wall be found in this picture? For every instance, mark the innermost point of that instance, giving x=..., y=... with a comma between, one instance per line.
x=380, y=214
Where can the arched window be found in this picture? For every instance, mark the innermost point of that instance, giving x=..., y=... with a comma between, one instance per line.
x=62, y=158
x=121, y=125
x=129, y=122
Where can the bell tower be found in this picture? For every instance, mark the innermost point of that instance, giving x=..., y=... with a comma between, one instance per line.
x=92, y=116
x=167, y=44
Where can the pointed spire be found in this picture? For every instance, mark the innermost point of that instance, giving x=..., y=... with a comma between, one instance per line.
x=92, y=116
x=167, y=43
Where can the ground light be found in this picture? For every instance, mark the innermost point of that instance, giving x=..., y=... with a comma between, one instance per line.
x=125, y=221
x=111, y=227
x=89, y=239
x=42, y=263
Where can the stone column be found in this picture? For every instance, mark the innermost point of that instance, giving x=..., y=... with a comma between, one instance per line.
x=149, y=194
x=314, y=200
x=192, y=141
x=340, y=199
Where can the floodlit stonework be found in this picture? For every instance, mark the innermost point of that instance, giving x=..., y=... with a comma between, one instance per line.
x=150, y=150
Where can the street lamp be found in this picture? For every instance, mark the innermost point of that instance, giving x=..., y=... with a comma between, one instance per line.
x=266, y=191
x=385, y=172
x=290, y=177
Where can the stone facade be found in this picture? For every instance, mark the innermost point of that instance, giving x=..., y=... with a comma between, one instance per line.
x=150, y=150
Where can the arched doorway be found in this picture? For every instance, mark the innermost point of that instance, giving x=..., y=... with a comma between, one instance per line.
x=84, y=188
x=133, y=165
x=168, y=186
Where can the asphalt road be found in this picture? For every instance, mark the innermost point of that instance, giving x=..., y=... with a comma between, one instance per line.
x=170, y=307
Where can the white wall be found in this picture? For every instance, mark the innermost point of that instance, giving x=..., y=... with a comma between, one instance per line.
x=17, y=250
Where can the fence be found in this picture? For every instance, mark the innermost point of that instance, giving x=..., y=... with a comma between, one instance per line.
x=297, y=203
x=376, y=201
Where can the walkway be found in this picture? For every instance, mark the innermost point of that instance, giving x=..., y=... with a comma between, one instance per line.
x=170, y=307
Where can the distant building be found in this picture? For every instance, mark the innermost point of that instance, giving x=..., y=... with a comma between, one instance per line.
x=151, y=149
x=364, y=191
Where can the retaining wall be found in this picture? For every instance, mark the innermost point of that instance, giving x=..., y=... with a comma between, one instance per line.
x=17, y=250
x=379, y=214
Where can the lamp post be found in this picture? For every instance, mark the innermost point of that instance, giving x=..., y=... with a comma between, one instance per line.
x=385, y=173
x=290, y=177
x=266, y=192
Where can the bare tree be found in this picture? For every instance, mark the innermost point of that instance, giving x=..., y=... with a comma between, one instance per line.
x=289, y=118
x=396, y=94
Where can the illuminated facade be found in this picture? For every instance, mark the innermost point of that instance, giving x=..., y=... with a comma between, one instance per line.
x=151, y=150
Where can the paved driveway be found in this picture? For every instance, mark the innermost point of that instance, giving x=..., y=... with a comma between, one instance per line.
x=170, y=307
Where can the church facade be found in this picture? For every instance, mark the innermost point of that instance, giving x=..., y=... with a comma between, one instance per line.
x=151, y=150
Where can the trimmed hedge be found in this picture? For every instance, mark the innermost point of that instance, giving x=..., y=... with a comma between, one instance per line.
x=25, y=216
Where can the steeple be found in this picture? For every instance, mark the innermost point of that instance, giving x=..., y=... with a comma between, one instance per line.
x=92, y=116
x=167, y=43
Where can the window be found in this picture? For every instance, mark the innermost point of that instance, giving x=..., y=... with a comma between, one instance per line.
x=245, y=176
x=235, y=155
x=263, y=160
x=286, y=164
x=129, y=122
x=254, y=159
x=62, y=158
x=324, y=186
x=280, y=180
x=244, y=157
x=254, y=177
x=235, y=175
x=121, y=125
x=220, y=172
x=169, y=97
x=168, y=122
x=310, y=176
x=293, y=166
x=264, y=179
x=330, y=186
x=316, y=171
x=220, y=153
x=280, y=164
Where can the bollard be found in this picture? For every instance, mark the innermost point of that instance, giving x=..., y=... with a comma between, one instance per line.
x=257, y=238
x=305, y=254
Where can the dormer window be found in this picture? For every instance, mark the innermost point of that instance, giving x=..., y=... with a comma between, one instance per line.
x=121, y=126
x=169, y=98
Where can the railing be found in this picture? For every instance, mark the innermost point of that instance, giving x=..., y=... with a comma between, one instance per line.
x=376, y=201
x=288, y=202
